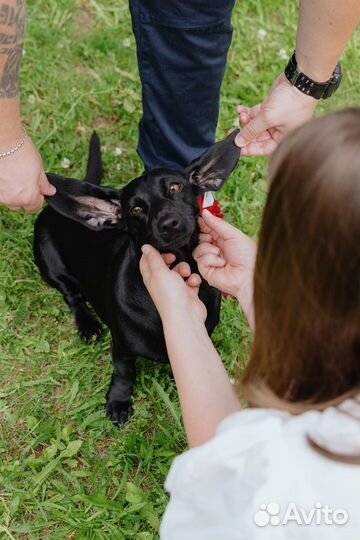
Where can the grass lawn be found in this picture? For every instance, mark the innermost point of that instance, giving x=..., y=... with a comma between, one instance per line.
x=65, y=471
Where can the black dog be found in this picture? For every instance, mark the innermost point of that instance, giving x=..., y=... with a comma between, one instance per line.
x=87, y=245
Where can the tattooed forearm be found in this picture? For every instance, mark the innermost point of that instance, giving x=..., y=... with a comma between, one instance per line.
x=12, y=30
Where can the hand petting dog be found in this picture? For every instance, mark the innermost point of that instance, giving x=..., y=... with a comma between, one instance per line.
x=173, y=291
x=226, y=259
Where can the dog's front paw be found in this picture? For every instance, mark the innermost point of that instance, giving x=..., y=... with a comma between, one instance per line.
x=119, y=411
x=90, y=334
x=88, y=327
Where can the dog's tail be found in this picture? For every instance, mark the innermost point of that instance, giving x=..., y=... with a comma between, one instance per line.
x=94, y=170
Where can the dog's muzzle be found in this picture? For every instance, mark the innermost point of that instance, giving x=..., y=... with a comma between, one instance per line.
x=172, y=232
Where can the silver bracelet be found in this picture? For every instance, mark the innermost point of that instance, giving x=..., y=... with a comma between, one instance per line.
x=15, y=149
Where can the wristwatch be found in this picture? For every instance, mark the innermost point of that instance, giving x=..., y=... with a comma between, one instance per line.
x=309, y=87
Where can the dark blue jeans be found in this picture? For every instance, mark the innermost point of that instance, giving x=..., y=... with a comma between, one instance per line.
x=182, y=47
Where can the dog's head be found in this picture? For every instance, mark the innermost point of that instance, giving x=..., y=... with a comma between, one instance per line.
x=159, y=208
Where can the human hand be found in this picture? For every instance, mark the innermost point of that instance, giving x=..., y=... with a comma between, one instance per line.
x=174, y=292
x=265, y=125
x=23, y=182
x=226, y=259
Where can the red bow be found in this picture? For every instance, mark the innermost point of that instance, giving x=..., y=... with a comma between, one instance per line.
x=216, y=211
x=215, y=208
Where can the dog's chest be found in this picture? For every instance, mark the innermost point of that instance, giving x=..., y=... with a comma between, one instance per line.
x=133, y=318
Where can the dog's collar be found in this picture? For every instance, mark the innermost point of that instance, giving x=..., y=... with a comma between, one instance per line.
x=208, y=202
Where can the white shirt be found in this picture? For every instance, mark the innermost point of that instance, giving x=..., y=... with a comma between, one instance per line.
x=259, y=479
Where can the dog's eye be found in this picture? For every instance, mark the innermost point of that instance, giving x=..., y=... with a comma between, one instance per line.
x=136, y=211
x=175, y=188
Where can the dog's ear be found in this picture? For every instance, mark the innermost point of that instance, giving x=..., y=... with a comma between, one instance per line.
x=95, y=207
x=210, y=171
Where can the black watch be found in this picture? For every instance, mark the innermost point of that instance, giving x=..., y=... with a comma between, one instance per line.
x=309, y=87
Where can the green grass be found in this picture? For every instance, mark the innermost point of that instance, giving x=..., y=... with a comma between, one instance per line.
x=65, y=471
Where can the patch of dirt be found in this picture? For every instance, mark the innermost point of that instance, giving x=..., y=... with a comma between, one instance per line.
x=84, y=18
x=105, y=122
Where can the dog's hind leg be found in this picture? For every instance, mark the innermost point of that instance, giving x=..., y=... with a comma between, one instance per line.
x=54, y=273
x=119, y=396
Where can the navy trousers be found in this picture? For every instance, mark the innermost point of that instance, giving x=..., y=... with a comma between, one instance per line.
x=182, y=48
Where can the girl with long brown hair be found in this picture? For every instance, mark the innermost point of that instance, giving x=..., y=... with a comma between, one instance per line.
x=289, y=465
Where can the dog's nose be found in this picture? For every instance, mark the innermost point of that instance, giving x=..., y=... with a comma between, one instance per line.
x=169, y=225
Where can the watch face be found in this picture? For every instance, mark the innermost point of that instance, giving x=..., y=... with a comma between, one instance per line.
x=337, y=74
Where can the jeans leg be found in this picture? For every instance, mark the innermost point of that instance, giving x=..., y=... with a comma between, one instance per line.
x=182, y=48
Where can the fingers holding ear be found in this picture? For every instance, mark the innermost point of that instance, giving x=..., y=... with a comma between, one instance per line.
x=45, y=187
x=246, y=114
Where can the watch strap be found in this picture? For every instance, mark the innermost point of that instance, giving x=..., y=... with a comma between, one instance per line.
x=308, y=86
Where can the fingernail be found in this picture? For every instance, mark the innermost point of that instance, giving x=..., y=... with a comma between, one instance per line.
x=240, y=142
x=145, y=248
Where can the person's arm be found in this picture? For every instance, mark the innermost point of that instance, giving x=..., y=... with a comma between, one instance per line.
x=22, y=179
x=324, y=28
x=12, y=28
x=205, y=392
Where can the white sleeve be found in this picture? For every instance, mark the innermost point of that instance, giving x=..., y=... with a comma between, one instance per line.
x=212, y=487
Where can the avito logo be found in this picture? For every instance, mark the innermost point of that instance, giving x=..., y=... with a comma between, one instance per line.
x=319, y=514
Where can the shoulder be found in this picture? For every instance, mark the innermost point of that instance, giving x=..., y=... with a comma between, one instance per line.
x=258, y=457
x=236, y=437
x=212, y=487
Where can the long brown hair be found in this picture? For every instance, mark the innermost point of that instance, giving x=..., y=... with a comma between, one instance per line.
x=306, y=350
